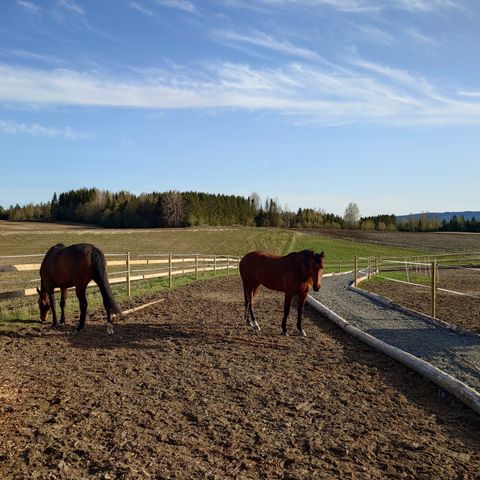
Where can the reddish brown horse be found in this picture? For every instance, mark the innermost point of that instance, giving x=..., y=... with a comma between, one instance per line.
x=74, y=266
x=294, y=274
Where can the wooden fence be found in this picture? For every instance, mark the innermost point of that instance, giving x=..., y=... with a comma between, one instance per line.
x=426, y=266
x=124, y=268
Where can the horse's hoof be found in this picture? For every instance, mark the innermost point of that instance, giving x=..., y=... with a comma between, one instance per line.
x=301, y=333
x=109, y=329
x=256, y=326
x=284, y=333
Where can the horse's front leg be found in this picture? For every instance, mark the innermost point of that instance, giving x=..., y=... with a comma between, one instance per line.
x=51, y=298
x=301, y=302
x=63, y=299
x=286, y=311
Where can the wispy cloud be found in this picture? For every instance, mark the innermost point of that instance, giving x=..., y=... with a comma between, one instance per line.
x=425, y=5
x=184, y=5
x=29, y=6
x=472, y=94
x=420, y=38
x=352, y=6
x=71, y=6
x=32, y=56
x=265, y=41
x=359, y=92
x=10, y=127
x=370, y=33
x=141, y=9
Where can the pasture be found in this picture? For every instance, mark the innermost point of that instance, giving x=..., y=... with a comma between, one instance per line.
x=25, y=238
x=185, y=390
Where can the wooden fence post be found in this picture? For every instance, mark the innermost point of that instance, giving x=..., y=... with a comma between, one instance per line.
x=355, y=273
x=196, y=266
x=434, y=289
x=170, y=270
x=129, y=291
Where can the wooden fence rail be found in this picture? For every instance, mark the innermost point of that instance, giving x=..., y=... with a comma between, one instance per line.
x=424, y=265
x=155, y=266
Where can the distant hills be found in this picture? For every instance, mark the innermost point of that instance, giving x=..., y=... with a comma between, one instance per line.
x=440, y=216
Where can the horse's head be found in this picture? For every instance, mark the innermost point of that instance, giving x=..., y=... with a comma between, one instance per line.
x=315, y=268
x=43, y=304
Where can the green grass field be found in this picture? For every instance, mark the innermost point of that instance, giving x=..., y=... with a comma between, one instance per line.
x=36, y=238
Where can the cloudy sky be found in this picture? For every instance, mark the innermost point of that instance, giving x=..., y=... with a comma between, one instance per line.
x=314, y=102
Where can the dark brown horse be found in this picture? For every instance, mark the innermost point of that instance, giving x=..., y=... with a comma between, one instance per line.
x=294, y=274
x=74, y=266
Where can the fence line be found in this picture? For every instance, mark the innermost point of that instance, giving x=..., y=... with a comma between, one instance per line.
x=169, y=267
x=374, y=266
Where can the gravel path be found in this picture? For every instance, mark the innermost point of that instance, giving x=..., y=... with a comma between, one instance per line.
x=455, y=353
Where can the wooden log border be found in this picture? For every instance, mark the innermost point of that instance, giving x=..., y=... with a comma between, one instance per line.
x=458, y=389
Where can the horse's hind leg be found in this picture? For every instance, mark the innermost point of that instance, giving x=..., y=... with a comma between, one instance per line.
x=82, y=300
x=63, y=298
x=109, y=318
x=51, y=298
x=249, y=295
x=246, y=312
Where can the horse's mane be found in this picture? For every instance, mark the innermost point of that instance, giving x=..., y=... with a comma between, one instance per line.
x=305, y=252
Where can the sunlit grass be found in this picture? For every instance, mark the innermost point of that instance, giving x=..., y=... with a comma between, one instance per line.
x=24, y=310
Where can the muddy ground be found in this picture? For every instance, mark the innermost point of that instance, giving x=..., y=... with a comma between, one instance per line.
x=463, y=311
x=184, y=390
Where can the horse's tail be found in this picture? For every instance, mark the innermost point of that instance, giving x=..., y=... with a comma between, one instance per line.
x=101, y=279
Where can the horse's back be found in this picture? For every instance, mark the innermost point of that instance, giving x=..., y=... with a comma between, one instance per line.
x=66, y=267
x=263, y=268
x=253, y=260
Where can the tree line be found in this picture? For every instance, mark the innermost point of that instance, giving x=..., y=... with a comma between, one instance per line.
x=183, y=209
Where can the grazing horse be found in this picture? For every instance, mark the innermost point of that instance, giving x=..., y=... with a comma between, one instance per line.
x=74, y=266
x=293, y=274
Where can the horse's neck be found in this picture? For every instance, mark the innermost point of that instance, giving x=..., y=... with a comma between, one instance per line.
x=300, y=266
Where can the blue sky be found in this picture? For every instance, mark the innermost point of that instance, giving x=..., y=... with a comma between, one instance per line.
x=314, y=102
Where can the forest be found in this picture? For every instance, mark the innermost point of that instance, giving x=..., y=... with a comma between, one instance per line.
x=184, y=209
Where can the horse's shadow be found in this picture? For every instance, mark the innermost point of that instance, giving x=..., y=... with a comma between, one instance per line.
x=129, y=335
x=136, y=335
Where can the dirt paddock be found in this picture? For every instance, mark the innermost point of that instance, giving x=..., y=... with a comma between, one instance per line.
x=184, y=390
x=462, y=311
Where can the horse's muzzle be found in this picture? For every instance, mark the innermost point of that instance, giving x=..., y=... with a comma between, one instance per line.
x=316, y=289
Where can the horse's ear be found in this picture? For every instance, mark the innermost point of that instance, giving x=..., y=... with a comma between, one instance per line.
x=322, y=254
